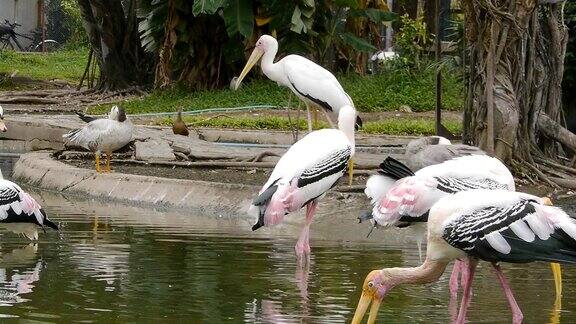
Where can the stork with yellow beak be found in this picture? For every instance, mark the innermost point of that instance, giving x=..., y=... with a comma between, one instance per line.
x=490, y=225
x=313, y=84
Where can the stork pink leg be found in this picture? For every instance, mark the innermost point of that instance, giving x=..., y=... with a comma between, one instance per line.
x=517, y=315
x=454, y=283
x=468, y=276
x=454, y=278
x=302, y=246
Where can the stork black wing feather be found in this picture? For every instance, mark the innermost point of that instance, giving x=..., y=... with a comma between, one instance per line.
x=394, y=169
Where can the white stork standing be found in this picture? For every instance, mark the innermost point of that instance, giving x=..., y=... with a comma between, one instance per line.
x=304, y=174
x=313, y=84
x=490, y=225
x=103, y=135
x=19, y=212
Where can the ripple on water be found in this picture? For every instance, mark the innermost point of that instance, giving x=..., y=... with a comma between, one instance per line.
x=115, y=263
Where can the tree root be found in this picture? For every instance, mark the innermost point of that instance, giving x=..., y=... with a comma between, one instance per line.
x=541, y=175
x=260, y=156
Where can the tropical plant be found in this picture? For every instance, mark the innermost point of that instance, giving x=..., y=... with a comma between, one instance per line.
x=411, y=40
x=207, y=39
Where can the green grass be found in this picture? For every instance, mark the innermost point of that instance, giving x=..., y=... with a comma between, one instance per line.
x=381, y=92
x=64, y=64
x=396, y=126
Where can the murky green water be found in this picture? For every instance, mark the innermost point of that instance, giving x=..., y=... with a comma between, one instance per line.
x=115, y=263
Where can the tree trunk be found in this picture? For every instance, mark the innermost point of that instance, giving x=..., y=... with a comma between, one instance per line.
x=112, y=29
x=516, y=60
x=523, y=44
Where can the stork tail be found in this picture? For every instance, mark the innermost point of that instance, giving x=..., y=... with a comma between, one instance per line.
x=394, y=169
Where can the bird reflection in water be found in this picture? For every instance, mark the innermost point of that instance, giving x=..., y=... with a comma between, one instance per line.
x=19, y=270
x=270, y=311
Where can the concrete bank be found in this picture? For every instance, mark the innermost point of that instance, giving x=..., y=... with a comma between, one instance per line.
x=337, y=211
x=40, y=170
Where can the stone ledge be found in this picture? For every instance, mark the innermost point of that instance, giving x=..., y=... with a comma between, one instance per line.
x=40, y=170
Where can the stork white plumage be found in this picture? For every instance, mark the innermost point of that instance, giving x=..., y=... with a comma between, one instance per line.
x=302, y=176
x=406, y=202
x=490, y=225
x=19, y=212
x=2, y=125
x=313, y=84
x=310, y=82
x=402, y=198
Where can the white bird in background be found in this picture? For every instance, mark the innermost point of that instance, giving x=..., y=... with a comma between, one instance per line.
x=19, y=212
x=103, y=135
x=2, y=125
x=304, y=174
x=490, y=225
x=313, y=84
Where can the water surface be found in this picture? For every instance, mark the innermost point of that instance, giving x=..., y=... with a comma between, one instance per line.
x=116, y=263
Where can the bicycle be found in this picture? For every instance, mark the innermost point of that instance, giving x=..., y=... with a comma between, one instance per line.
x=9, y=37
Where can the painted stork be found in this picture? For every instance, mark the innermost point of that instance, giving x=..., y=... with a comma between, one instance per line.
x=431, y=150
x=407, y=201
x=304, y=174
x=2, y=125
x=19, y=212
x=313, y=84
x=310, y=82
x=103, y=135
x=489, y=225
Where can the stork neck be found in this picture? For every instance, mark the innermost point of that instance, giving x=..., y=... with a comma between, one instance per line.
x=347, y=127
x=271, y=69
x=429, y=271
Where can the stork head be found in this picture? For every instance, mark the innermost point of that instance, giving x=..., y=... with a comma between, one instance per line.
x=376, y=285
x=2, y=125
x=264, y=44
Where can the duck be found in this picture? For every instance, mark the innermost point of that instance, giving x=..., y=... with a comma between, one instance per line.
x=179, y=127
x=104, y=135
x=429, y=150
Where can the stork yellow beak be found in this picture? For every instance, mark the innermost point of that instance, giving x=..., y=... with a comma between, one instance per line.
x=253, y=59
x=2, y=126
x=556, y=269
x=365, y=300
